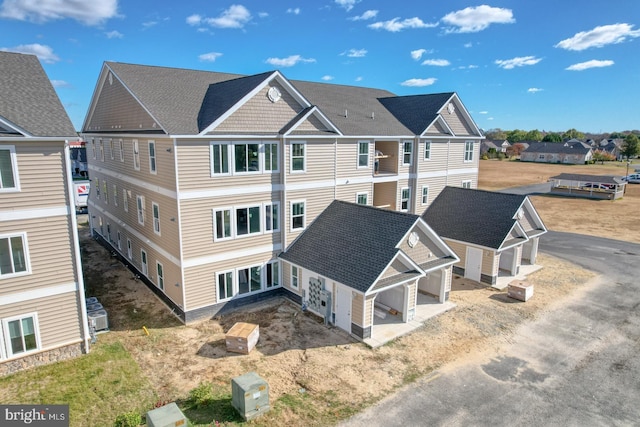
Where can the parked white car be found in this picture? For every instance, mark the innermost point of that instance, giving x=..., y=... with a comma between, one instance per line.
x=634, y=178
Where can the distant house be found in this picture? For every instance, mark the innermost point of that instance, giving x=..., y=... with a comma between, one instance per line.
x=499, y=146
x=42, y=315
x=492, y=233
x=611, y=146
x=366, y=256
x=557, y=152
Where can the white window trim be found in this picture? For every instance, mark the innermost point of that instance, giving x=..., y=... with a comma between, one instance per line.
x=111, y=149
x=36, y=329
x=121, y=149
x=234, y=285
x=361, y=154
x=125, y=200
x=101, y=147
x=235, y=222
x=156, y=221
x=159, y=276
x=2, y=343
x=296, y=276
x=140, y=209
x=129, y=249
x=304, y=215
x=264, y=219
x=27, y=260
x=144, y=266
x=119, y=241
x=115, y=195
x=408, y=199
x=153, y=170
x=466, y=143
x=365, y=194
x=14, y=169
x=236, y=290
x=429, y=144
x=279, y=276
x=304, y=157
x=93, y=149
x=425, y=187
x=135, y=146
x=231, y=223
x=229, y=160
x=233, y=158
x=410, y=153
x=105, y=191
x=264, y=158
x=466, y=182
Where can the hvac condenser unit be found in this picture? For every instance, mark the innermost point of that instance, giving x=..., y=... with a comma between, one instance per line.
x=250, y=395
x=166, y=416
x=94, y=307
x=91, y=300
x=99, y=320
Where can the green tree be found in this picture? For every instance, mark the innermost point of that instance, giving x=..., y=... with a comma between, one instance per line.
x=616, y=135
x=516, y=135
x=572, y=133
x=534, y=135
x=552, y=137
x=630, y=146
x=495, y=134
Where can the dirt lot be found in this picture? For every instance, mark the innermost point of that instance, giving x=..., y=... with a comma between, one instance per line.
x=604, y=218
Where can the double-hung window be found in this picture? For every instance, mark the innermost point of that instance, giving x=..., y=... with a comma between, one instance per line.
x=295, y=276
x=129, y=249
x=101, y=150
x=160, y=275
x=97, y=187
x=115, y=195
x=405, y=199
x=22, y=333
x=222, y=224
x=93, y=148
x=363, y=154
x=13, y=255
x=298, y=157
x=111, y=148
x=271, y=157
x=297, y=215
x=247, y=220
x=219, y=159
x=468, y=151
x=120, y=149
x=105, y=192
x=407, y=150
x=272, y=217
x=361, y=198
x=125, y=200
x=427, y=150
x=140, y=207
x=425, y=195
x=466, y=184
x=136, y=155
x=152, y=157
x=156, y=217
x=8, y=169
x=246, y=157
x=144, y=262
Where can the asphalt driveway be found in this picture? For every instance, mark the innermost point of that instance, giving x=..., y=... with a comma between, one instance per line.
x=577, y=365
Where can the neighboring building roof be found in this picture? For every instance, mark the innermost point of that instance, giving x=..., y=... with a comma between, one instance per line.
x=416, y=112
x=350, y=244
x=480, y=217
x=600, y=179
x=28, y=100
x=556, y=147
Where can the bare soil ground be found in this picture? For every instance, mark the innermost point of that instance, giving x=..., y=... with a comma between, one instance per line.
x=603, y=218
x=317, y=374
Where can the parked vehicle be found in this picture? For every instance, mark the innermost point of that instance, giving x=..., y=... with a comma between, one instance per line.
x=634, y=178
x=81, y=194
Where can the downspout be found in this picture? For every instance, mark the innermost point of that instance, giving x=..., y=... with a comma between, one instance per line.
x=76, y=248
x=446, y=177
x=283, y=183
x=335, y=169
x=179, y=221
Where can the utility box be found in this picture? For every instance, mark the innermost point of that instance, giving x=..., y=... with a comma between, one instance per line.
x=166, y=416
x=520, y=290
x=242, y=337
x=250, y=395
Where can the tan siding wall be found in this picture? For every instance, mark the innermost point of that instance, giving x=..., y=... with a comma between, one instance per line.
x=527, y=222
x=320, y=164
x=58, y=318
x=41, y=175
x=438, y=129
x=421, y=251
x=316, y=200
x=348, y=159
x=456, y=157
x=357, y=309
x=50, y=253
x=384, y=195
x=286, y=279
x=438, y=159
x=311, y=124
x=395, y=268
x=457, y=123
x=259, y=114
x=117, y=109
x=412, y=290
x=368, y=311
x=348, y=192
x=490, y=261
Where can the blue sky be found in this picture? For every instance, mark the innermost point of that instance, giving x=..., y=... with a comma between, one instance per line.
x=546, y=64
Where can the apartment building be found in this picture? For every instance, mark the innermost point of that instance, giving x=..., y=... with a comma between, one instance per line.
x=42, y=313
x=200, y=180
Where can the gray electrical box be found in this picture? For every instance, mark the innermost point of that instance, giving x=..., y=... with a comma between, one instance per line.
x=250, y=395
x=166, y=416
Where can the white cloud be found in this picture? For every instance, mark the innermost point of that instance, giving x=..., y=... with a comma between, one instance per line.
x=87, y=12
x=594, y=63
x=436, y=62
x=395, y=25
x=417, y=54
x=355, y=53
x=474, y=19
x=369, y=14
x=114, y=34
x=483, y=112
x=234, y=17
x=534, y=90
x=468, y=45
x=467, y=67
x=521, y=61
x=262, y=14
x=209, y=57
x=327, y=78
x=599, y=37
x=289, y=61
x=194, y=19
x=359, y=78
x=295, y=11
x=43, y=52
x=419, y=82
x=60, y=83
x=347, y=4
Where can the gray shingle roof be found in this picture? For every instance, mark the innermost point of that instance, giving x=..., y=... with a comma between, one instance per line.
x=349, y=243
x=28, y=99
x=481, y=217
x=600, y=179
x=416, y=112
x=556, y=147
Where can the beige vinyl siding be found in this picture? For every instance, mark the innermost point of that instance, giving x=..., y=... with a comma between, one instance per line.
x=50, y=254
x=385, y=195
x=58, y=318
x=165, y=162
x=116, y=108
x=527, y=222
x=404, y=183
x=348, y=192
x=319, y=162
x=200, y=282
x=456, y=155
x=421, y=251
x=357, y=309
x=368, y=311
x=198, y=224
x=439, y=156
x=316, y=200
x=394, y=269
x=41, y=174
x=194, y=168
x=259, y=114
x=311, y=124
x=347, y=164
x=458, y=179
x=457, y=123
x=438, y=129
x=285, y=268
x=412, y=290
x=435, y=184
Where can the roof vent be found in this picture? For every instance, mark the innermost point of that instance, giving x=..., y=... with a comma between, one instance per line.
x=373, y=115
x=346, y=113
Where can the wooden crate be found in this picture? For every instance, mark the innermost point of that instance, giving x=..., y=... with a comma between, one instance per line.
x=520, y=290
x=242, y=337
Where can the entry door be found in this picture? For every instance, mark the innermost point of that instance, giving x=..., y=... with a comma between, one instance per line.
x=343, y=308
x=473, y=264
